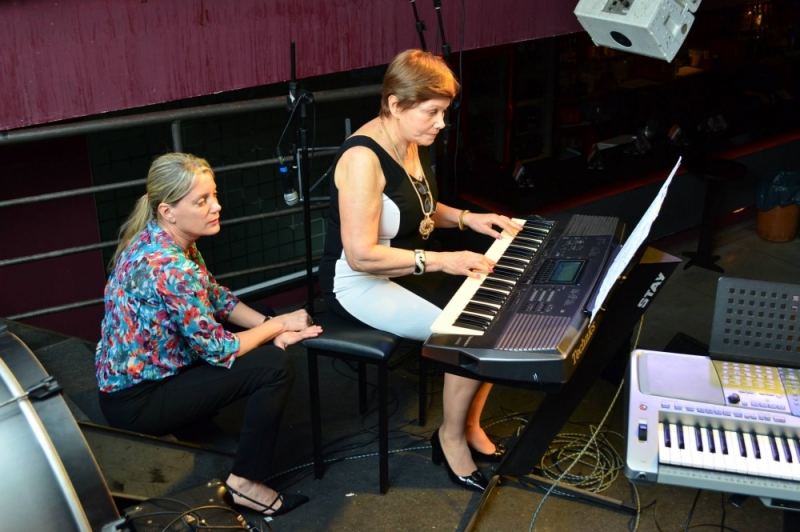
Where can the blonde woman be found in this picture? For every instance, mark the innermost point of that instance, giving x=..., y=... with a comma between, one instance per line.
x=164, y=358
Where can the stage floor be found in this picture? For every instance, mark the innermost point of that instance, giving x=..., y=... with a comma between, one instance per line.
x=420, y=496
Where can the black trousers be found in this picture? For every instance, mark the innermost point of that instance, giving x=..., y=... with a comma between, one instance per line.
x=264, y=375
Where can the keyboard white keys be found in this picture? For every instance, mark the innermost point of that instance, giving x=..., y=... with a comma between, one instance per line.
x=735, y=452
x=769, y=466
x=684, y=457
x=664, y=452
x=708, y=456
x=445, y=323
x=785, y=469
x=780, y=465
x=694, y=446
x=753, y=462
x=795, y=465
x=724, y=451
x=762, y=457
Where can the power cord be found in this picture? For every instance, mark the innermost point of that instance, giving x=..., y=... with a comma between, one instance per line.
x=194, y=513
x=691, y=510
x=577, y=458
x=603, y=461
x=714, y=525
x=601, y=484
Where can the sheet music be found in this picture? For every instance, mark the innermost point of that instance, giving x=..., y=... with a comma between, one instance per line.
x=635, y=240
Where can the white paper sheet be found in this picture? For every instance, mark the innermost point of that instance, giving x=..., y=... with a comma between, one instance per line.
x=635, y=240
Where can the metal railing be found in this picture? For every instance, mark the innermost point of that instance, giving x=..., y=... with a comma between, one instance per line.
x=175, y=118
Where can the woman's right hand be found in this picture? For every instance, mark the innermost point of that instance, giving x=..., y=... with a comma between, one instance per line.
x=465, y=263
x=295, y=321
x=288, y=338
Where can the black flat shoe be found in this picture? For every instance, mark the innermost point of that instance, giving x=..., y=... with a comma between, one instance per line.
x=289, y=502
x=492, y=458
x=475, y=482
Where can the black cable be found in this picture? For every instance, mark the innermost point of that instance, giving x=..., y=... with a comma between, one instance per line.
x=691, y=511
x=191, y=511
x=714, y=525
x=645, y=507
x=313, y=146
x=722, y=522
x=151, y=499
x=152, y=514
x=655, y=517
x=286, y=127
x=197, y=509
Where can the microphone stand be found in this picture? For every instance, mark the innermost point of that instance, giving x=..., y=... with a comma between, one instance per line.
x=304, y=177
x=420, y=25
x=301, y=99
x=444, y=172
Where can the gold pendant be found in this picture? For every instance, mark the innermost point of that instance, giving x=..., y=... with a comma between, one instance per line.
x=426, y=227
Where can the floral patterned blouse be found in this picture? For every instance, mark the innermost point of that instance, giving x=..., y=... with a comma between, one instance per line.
x=163, y=311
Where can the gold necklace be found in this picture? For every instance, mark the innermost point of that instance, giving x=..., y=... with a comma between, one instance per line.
x=426, y=225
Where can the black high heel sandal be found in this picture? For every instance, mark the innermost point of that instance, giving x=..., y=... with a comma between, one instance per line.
x=475, y=482
x=492, y=458
x=289, y=502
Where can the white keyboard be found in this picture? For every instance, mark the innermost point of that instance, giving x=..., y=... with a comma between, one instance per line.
x=690, y=425
x=470, y=311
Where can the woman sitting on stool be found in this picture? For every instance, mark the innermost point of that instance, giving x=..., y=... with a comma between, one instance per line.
x=164, y=358
x=375, y=268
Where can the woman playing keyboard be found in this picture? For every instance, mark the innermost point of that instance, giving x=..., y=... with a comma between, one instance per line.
x=375, y=267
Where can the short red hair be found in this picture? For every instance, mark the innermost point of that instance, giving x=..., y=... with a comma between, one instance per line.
x=415, y=76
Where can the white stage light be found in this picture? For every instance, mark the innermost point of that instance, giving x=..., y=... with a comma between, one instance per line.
x=656, y=28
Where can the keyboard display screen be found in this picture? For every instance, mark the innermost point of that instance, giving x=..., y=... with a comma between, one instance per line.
x=566, y=271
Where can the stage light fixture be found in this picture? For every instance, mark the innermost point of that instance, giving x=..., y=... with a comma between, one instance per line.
x=655, y=28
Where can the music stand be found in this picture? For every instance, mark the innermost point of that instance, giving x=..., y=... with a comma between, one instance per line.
x=756, y=321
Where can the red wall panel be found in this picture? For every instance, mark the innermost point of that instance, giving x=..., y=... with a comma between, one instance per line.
x=61, y=60
x=39, y=168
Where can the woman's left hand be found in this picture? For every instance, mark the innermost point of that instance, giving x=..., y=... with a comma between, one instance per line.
x=295, y=321
x=288, y=338
x=486, y=224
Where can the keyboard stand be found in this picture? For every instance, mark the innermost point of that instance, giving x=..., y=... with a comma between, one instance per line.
x=614, y=324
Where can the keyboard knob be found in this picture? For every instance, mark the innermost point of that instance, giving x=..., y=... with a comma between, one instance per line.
x=733, y=398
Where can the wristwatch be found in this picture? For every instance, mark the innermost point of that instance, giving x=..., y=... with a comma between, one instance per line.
x=419, y=261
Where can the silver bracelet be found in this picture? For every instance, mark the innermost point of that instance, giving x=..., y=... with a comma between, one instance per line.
x=419, y=261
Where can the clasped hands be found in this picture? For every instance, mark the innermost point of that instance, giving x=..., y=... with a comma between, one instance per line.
x=300, y=325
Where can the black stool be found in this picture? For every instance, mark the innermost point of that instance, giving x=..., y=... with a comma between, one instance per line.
x=715, y=172
x=354, y=341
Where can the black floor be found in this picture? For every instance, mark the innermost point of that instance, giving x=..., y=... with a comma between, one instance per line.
x=420, y=496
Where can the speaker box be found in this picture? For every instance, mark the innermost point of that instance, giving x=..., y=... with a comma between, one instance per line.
x=655, y=28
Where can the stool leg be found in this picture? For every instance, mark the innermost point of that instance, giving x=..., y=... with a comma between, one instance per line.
x=316, y=417
x=423, y=390
x=362, y=387
x=383, y=426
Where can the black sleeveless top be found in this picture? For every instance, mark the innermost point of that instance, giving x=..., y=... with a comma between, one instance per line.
x=399, y=191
